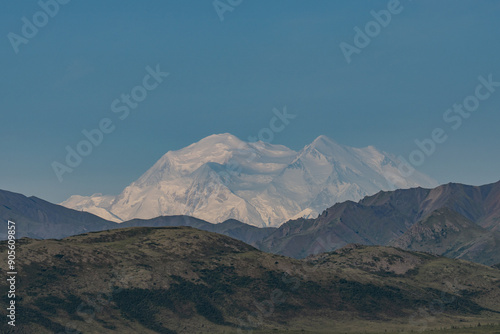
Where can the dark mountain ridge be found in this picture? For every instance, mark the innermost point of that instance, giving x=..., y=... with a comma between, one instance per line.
x=384, y=217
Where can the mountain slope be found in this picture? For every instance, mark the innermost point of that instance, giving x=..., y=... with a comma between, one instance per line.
x=183, y=280
x=382, y=218
x=446, y=232
x=36, y=218
x=221, y=177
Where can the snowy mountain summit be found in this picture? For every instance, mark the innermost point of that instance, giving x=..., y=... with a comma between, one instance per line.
x=222, y=177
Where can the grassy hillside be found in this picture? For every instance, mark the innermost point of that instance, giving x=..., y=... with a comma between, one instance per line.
x=183, y=280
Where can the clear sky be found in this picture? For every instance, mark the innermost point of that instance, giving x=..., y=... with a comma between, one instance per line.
x=227, y=76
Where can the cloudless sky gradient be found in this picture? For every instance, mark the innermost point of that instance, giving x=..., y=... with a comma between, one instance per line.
x=227, y=76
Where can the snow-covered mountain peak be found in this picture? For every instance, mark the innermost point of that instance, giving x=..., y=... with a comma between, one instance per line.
x=215, y=148
x=263, y=184
x=326, y=147
x=223, y=140
x=323, y=140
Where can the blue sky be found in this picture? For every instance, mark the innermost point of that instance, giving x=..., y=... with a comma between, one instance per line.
x=227, y=76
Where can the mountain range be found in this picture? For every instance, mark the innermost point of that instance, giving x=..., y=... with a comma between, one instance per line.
x=453, y=220
x=222, y=177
